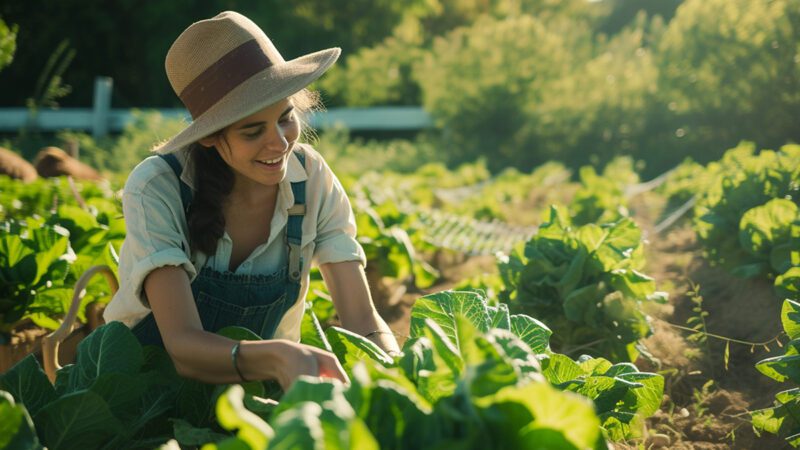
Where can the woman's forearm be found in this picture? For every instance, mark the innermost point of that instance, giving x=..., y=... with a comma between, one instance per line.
x=351, y=297
x=197, y=353
x=207, y=357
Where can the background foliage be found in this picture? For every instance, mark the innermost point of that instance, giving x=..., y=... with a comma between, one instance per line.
x=522, y=81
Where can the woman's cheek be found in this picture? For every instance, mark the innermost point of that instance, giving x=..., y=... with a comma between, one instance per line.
x=292, y=131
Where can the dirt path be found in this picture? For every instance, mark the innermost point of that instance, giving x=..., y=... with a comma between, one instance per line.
x=706, y=404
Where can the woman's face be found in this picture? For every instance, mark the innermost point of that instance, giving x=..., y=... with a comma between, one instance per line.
x=257, y=147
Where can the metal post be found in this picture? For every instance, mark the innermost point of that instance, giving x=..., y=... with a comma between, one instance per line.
x=101, y=106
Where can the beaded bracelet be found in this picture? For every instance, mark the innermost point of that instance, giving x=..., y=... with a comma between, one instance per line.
x=234, y=355
x=378, y=332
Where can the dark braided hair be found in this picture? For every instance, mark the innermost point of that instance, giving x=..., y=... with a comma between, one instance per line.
x=214, y=182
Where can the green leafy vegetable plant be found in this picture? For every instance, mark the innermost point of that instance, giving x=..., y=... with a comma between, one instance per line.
x=34, y=262
x=601, y=197
x=784, y=417
x=471, y=375
x=585, y=283
x=744, y=219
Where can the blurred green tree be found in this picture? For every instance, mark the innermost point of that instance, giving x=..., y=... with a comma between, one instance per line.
x=128, y=39
x=383, y=74
x=481, y=82
x=729, y=70
x=8, y=43
x=604, y=107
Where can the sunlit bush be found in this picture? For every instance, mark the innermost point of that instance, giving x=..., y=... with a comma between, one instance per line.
x=730, y=70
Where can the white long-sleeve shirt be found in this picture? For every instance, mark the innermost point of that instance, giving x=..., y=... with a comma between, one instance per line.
x=157, y=233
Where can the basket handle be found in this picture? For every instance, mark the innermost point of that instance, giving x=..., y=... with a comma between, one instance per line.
x=51, y=341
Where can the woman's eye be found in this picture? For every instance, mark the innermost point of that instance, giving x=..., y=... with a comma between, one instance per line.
x=254, y=134
x=287, y=119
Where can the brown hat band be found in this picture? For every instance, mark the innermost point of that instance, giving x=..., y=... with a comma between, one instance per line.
x=223, y=76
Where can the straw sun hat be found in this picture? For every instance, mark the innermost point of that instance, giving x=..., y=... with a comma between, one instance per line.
x=225, y=69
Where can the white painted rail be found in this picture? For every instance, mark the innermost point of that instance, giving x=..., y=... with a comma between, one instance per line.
x=102, y=119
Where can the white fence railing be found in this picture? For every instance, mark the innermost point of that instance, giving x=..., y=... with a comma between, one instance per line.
x=102, y=119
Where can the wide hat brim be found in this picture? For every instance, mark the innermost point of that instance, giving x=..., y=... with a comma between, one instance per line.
x=265, y=88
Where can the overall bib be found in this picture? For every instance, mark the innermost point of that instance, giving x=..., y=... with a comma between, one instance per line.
x=256, y=302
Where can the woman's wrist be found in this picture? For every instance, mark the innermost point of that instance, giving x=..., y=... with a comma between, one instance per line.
x=262, y=360
x=384, y=339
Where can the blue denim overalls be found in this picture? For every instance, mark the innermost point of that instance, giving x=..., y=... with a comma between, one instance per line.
x=256, y=302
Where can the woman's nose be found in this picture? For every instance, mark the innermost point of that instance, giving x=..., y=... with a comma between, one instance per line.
x=276, y=138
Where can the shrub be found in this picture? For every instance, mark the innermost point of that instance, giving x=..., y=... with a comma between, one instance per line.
x=729, y=70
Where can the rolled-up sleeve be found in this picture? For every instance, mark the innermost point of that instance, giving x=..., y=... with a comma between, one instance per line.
x=336, y=224
x=152, y=241
x=155, y=235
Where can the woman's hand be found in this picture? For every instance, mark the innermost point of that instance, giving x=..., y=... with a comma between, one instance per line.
x=300, y=359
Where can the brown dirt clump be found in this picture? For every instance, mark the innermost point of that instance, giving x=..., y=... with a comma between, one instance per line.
x=54, y=162
x=16, y=167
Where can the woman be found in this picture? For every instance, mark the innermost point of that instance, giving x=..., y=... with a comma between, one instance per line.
x=224, y=223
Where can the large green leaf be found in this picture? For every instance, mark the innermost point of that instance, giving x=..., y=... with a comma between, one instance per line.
x=188, y=435
x=16, y=427
x=17, y=260
x=27, y=382
x=622, y=239
x=352, y=348
x=443, y=307
x=424, y=366
x=122, y=393
x=79, y=420
x=537, y=416
x=781, y=419
x=485, y=368
x=232, y=415
x=445, y=353
x=306, y=389
x=51, y=246
x=632, y=283
x=389, y=408
x=781, y=368
x=517, y=353
x=532, y=332
x=649, y=395
x=790, y=318
x=111, y=348
x=311, y=331
x=559, y=369
x=299, y=427
x=787, y=285
x=330, y=424
x=764, y=226
x=499, y=316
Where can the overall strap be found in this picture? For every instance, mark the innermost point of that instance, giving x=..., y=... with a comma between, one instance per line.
x=186, y=191
x=294, y=227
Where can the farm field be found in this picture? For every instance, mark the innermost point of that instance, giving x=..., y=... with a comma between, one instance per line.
x=581, y=223
x=535, y=310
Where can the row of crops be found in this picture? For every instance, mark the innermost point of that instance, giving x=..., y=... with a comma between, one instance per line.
x=539, y=355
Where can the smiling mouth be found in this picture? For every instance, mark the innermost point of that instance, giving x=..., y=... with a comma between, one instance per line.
x=270, y=162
